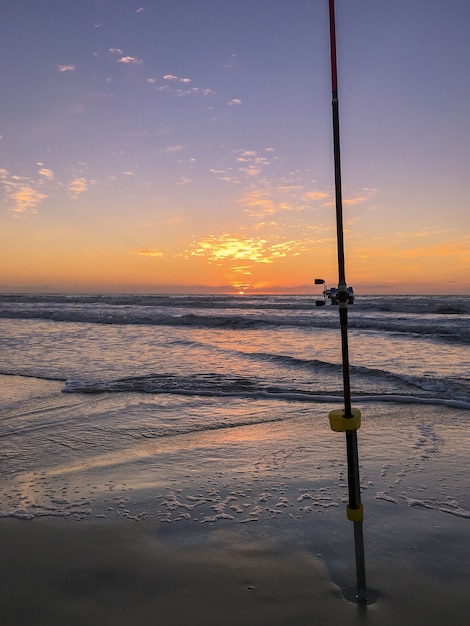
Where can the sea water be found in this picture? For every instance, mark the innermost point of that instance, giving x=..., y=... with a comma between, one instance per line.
x=277, y=347
x=110, y=383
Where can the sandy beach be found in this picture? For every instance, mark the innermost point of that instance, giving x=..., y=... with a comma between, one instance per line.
x=242, y=525
x=121, y=573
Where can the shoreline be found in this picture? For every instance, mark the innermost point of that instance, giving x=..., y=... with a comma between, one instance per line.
x=242, y=525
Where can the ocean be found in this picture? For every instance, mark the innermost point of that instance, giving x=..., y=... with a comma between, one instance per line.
x=95, y=388
x=260, y=347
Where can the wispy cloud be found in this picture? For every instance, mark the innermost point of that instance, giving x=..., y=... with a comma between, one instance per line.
x=229, y=247
x=243, y=164
x=226, y=176
x=258, y=202
x=246, y=270
x=49, y=174
x=429, y=232
x=77, y=187
x=21, y=194
x=173, y=85
x=263, y=191
x=234, y=102
x=268, y=199
x=26, y=198
x=66, y=68
x=175, y=148
x=126, y=59
x=232, y=248
x=358, y=199
x=152, y=252
x=316, y=195
x=130, y=60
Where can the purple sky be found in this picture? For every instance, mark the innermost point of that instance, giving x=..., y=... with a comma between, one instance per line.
x=150, y=144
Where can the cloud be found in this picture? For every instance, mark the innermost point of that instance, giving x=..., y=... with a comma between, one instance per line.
x=229, y=247
x=243, y=167
x=170, y=86
x=258, y=202
x=186, y=92
x=225, y=176
x=77, y=187
x=348, y=201
x=124, y=58
x=230, y=62
x=232, y=248
x=130, y=60
x=260, y=195
x=49, y=174
x=251, y=171
x=149, y=252
x=316, y=195
x=242, y=269
x=357, y=200
x=234, y=102
x=26, y=198
x=66, y=68
x=139, y=10
x=185, y=181
x=21, y=194
x=424, y=233
x=250, y=164
x=170, y=149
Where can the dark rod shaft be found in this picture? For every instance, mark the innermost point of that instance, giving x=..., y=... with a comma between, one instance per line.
x=351, y=435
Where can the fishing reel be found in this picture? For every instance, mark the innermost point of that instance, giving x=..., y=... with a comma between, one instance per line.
x=333, y=294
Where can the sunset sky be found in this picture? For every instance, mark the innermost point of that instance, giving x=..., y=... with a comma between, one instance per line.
x=186, y=145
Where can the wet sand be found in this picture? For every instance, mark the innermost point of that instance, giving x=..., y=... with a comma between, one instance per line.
x=239, y=526
x=56, y=573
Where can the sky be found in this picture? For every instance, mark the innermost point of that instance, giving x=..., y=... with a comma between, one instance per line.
x=185, y=146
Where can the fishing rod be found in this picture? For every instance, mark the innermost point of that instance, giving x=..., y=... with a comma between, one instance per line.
x=349, y=419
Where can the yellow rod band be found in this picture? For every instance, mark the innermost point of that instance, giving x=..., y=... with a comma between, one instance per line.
x=355, y=515
x=340, y=424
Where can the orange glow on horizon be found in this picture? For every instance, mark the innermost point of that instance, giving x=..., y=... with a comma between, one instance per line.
x=229, y=263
